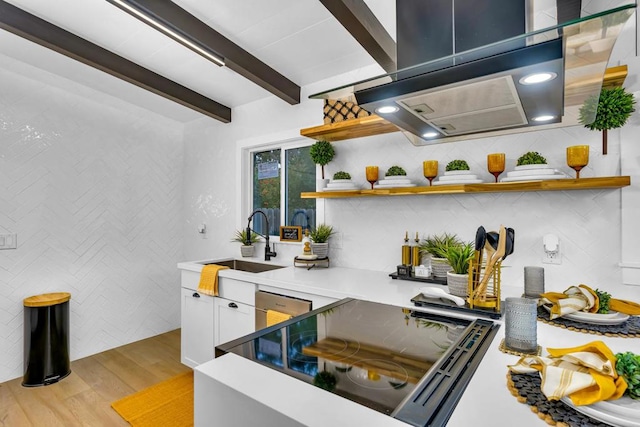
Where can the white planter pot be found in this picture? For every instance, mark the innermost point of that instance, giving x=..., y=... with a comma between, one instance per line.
x=458, y=284
x=321, y=184
x=440, y=267
x=247, y=251
x=320, y=249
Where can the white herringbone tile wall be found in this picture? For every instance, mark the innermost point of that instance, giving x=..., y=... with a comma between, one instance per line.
x=93, y=188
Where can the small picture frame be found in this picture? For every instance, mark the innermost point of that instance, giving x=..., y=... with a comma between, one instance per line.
x=290, y=233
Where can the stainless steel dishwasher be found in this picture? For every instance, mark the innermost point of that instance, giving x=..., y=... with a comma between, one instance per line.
x=283, y=304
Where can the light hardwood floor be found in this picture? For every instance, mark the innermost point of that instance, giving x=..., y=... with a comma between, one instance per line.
x=84, y=398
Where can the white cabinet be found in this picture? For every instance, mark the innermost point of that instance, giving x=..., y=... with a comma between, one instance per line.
x=197, y=335
x=233, y=319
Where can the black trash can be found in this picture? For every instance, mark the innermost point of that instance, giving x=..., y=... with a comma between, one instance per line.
x=46, y=339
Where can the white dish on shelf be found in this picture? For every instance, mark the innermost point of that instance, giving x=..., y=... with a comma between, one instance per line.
x=545, y=171
x=529, y=167
x=611, y=318
x=396, y=182
x=449, y=173
x=457, y=182
x=351, y=188
x=379, y=186
x=533, y=178
x=623, y=412
x=394, y=177
x=458, y=178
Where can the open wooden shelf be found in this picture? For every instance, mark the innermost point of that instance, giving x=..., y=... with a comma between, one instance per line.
x=376, y=125
x=499, y=187
x=382, y=361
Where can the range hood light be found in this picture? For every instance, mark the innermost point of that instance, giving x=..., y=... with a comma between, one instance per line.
x=430, y=134
x=536, y=78
x=543, y=118
x=387, y=109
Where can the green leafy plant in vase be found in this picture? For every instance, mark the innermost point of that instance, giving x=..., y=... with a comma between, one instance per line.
x=610, y=110
x=241, y=236
x=341, y=175
x=320, y=240
x=457, y=165
x=322, y=153
x=437, y=246
x=395, y=171
x=531, y=158
x=459, y=257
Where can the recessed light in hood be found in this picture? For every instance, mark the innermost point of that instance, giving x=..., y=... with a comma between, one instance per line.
x=486, y=91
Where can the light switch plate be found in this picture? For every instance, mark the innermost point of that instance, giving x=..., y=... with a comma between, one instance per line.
x=8, y=241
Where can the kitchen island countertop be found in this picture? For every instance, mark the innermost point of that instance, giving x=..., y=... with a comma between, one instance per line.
x=486, y=400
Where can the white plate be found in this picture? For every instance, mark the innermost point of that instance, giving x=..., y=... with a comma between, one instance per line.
x=393, y=186
x=457, y=173
x=623, y=412
x=394, y=181
x=462, y=181
x=458, y=178
x=342, y=188
x=396, y=177
x=526, y=172
x=611, y=318
x=341, y=181
x=337, y=185
x=533, y=178
x=528, y=167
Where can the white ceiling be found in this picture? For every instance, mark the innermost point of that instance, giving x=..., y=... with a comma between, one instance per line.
x=298, y=38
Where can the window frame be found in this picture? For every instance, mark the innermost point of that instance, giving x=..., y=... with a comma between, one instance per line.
x=244, y=188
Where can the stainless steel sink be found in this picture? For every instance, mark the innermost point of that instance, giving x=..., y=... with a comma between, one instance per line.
x=248, y=266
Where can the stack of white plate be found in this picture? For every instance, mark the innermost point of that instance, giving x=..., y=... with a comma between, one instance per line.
x=533, y=173
x=341, y=185
x=457, y=177
x=394, y=182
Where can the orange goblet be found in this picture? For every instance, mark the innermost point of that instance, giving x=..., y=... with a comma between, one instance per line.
x=372, y=175
x=430, y=170
x=577, y=158
x=495, y=164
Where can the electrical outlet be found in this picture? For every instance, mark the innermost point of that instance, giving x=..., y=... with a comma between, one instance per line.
x=552, y=257
x=8, y=241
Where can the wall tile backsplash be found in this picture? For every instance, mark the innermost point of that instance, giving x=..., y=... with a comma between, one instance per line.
x=93, y=188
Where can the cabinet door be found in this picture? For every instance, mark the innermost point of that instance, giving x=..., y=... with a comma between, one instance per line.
x=233, y=320
x=196, y=346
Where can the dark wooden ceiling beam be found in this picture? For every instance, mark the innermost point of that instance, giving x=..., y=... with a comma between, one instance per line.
x=235, y=58
x=37, y=30
x=356, y=17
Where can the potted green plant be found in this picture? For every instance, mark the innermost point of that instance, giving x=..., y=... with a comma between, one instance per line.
x=321, y=153
x=395, y=171
x=610, y=110
x=320, y=240
x=457, y=165
x=437, y=247
x=241, y=236
x=459, y=257
x=531, y=158
x=341, y=175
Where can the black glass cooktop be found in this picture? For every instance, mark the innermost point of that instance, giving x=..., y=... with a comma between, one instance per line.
x=381, y=356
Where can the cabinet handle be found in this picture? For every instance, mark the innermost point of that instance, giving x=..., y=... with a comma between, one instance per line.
x=233, y=305
x=196, y=295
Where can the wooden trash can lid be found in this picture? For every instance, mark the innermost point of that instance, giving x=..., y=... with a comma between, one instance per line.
x=45, y=300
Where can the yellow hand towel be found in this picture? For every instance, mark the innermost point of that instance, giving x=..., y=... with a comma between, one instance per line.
x=274, y=317
x=209, y=279
x=586, y=373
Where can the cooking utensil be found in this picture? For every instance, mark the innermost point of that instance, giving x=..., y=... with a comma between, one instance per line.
x=481, y=238
x=440, y=293
x=496, y=256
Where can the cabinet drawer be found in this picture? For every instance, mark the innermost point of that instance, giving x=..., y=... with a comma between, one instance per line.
x=190, y=279
x=236, y=290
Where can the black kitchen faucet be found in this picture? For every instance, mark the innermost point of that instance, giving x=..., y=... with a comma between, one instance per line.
x=267, y=250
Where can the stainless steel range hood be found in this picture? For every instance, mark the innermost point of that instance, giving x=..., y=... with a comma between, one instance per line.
x=485, y=92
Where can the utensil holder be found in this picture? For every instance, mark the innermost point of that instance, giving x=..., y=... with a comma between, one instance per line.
x=492, y=293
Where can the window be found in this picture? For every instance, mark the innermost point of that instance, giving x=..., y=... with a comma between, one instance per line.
x=276, y=189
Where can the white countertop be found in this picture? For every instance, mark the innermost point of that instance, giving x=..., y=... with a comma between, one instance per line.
x=486, y=401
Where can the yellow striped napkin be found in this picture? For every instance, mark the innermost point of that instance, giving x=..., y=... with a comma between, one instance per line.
x=586, y=373
x=575, y=298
